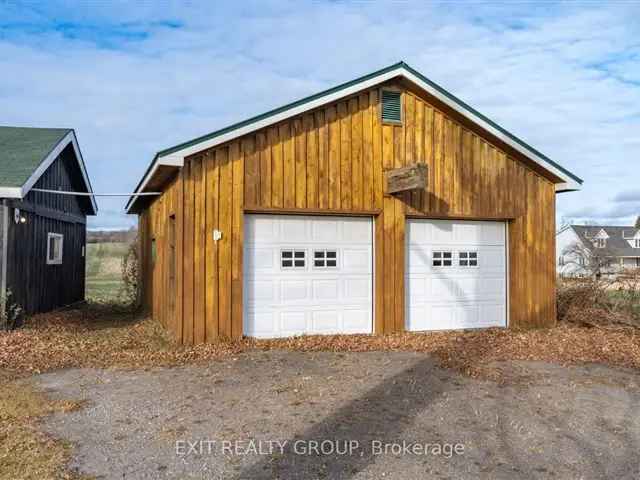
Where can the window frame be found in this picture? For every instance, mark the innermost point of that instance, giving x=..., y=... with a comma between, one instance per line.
x=56, y=237
x=442, y=259
x=293, y=258
x=468, y=259
x=600, y=242
x=324, y=259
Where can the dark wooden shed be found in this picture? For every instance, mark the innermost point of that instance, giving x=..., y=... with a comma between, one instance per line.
x=42, y=234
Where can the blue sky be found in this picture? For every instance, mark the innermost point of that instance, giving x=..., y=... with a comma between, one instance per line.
x=135, y=77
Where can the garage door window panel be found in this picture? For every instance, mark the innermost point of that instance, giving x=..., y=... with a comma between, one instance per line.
x=442, y=258
x=293, y=259
x=468, y=259
x=325, y=259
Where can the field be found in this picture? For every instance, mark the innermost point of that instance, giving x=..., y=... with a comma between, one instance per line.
x=104, y=274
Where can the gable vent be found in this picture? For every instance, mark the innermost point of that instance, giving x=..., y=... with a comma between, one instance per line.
x=391, y=106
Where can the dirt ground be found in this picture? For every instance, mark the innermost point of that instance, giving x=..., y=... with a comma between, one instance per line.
x=543, y=421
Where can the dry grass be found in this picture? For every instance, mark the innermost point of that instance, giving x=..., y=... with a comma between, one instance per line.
x=25, y=452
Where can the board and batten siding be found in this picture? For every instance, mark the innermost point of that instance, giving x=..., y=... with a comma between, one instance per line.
x=331, y=161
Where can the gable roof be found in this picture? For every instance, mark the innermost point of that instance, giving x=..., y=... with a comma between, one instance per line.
x=617, y=243
x=26, y=153
x=174, y=156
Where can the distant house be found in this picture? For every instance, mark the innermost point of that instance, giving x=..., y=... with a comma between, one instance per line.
x=597, y=249
x=42, y=235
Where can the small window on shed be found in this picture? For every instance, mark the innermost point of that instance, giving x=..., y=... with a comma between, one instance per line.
x=154, y=251
x=54, y=248
x=391, y=109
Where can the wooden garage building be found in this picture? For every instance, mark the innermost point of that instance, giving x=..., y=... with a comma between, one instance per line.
x=42, y=234
x=285, y=224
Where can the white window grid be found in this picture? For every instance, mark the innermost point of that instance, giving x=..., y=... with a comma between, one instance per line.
x=468, y=259
x=293, y=259
x=442, y=258
x=325, y=258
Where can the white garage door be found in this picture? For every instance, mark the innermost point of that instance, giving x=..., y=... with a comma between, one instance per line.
x=307, y=275
x=455, y=274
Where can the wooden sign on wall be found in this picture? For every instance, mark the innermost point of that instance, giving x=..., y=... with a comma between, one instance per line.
x=406, y=178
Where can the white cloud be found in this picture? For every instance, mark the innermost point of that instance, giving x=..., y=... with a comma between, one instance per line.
x=563, y=77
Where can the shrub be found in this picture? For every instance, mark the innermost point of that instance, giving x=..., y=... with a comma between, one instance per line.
x=594, y=301
x=131, y=275
x=12, y=314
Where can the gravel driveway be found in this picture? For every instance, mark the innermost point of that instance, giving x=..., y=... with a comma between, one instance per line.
x=293, y=415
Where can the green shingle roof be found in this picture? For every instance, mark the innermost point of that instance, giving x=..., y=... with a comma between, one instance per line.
x=23, y=149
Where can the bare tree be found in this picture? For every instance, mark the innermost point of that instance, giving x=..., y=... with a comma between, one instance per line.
x=578, y=258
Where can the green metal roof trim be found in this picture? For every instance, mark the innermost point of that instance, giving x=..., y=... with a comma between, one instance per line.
x=23, y=149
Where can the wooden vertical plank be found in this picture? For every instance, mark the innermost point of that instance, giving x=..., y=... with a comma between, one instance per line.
x=387, y=147
x=459, y=186
x=289, y=170
x=367, y=153
x=345, y=157
x=224, y=244
x=252, y=172
x=467, y=179
x=264, y=156
x=437, y=205
x=399, y=265
x=277, y=168
x=211, y=249
x=300, y=163
x=379, y=275
x=356, y=154
x=429, y=152
x=376, y=136
x=323, y=159
x=389, y=262
x=399, y=156
x=418, y=153
x=334, y=158
x=198, y=251
x=446, y=178
x=237, y=240
x=309, y=127
x=187, y=331
x=179, y=256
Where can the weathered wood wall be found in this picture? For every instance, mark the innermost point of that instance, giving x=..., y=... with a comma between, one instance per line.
x=332, y=161
x=36, y=286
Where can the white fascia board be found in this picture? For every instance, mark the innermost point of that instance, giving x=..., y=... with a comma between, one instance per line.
x=177, y=157
x=169, y=160
x=10, y=192
x=51, y=157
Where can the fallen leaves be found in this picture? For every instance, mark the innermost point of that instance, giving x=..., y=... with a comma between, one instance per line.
x=103, y=338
